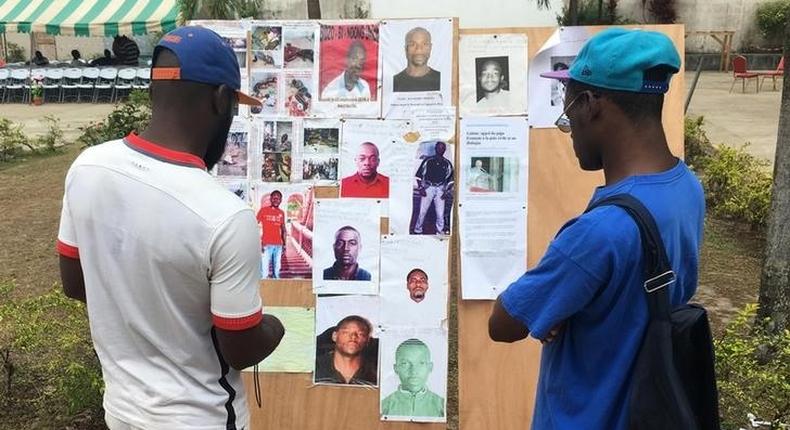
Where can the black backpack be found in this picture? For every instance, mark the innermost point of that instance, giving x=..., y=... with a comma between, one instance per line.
x=673, y=382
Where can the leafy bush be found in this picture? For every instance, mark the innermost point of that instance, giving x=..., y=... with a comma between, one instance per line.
x=737, y=184
x=50, y=369
x=588, y=14
x=14, y=143
x=16, y=54
x=752, y=372
x=134, y=114
x=663, y=11
x=772, y=18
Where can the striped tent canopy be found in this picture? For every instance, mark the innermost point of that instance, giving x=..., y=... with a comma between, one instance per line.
x=88, y=17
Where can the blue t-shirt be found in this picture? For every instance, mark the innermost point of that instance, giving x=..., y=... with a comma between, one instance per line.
x=591, y=277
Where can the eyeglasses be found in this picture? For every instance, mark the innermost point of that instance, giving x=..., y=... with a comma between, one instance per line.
x=563, y=123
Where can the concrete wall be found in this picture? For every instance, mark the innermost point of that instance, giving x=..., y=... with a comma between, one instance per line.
x=472, y=14
x=701, y=15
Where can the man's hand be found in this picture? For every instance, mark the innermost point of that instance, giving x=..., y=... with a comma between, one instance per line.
x=422, y=191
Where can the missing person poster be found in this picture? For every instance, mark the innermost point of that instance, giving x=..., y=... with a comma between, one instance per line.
x=348, y=70
x=277, y=139
x=423, y=203
x=417, y=57
x=414, y=281
x=413, y=374
x=346, y=246
x=493, y=204
x=347, y=341
x=284, y=213
x=493, y=74
x=547, y=96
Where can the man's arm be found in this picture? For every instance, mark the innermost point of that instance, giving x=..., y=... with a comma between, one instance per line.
x=504, y=328
x=72, y=278
x=282, y=232
x=244, y=348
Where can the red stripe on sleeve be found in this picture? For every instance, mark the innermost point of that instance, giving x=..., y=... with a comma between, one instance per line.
x=67, y=250
x=236, y=324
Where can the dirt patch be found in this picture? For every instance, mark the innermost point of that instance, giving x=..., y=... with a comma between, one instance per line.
x=730, y=268
x=30, y=195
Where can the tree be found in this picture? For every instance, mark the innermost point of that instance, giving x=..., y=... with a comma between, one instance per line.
x=775, y=283
x=573, y=9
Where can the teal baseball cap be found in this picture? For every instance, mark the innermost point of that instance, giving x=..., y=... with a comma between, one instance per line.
x=619, y=59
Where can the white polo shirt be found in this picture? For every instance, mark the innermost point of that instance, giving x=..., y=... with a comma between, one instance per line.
x=167, y=254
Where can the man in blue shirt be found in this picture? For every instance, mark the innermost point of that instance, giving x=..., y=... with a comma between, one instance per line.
x=585, y=300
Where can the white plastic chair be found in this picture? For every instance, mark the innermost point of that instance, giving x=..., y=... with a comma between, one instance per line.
x=53, y=79
x=72, y=78
x=87, y=81
x=4, y=75
x=124, y=83
x=18, y=83
x=143, y=79
x=106, y=82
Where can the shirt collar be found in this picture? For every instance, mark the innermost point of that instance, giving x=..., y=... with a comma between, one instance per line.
x=161, y=153
x=342, y=83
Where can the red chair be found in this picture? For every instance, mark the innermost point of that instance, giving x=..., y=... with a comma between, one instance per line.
x=773, y=74
x=740, y=71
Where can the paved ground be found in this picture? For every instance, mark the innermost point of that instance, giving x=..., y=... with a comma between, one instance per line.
x=736, y=118
x=71, y=115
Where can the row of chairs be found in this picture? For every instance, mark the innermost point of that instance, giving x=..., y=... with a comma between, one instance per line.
x=73, y=84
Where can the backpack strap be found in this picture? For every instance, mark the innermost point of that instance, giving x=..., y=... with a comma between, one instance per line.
x=658, y=272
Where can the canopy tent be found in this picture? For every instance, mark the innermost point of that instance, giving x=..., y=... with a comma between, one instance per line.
x=102, y=18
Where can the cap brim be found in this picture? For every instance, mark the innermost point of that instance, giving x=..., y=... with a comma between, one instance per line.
x=244, y=99
x=562, y=75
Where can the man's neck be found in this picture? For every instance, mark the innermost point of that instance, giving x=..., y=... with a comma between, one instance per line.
x=368, y=180
x=347, y=271
x=417, y=71
x=175, y=134
x=347, y=82
x=650, y=155
x=492, y=94
x=347, y=366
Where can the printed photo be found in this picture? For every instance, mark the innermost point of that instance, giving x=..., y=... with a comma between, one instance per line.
x=285, y=216
x=492, y=174
x=285, y=135
x=348, y=70
x=319, y=168
x=298, y=93
x=299, y=49
x=234, y=159
x=347, y=342
x=557, y=86
x=492, y=74
x=276, y=167
x=414, y=375
x=238, y=187
x=267, y=47
x=264, y=87
x=432, y=200
x=492, y=81
x=321, y=140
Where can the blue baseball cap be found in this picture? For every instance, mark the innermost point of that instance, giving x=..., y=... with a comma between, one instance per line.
x=617, y=59
x=203, y=56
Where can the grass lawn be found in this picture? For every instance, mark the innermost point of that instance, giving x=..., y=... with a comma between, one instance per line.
x=30, y=195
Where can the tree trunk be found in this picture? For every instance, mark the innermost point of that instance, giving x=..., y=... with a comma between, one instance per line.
x=313, y=9
x=775, y=284
x=573, y=11
x=600, y=11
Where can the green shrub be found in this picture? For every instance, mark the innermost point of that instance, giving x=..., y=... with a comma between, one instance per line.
x=587, y=14
x=16, y=54
x=50, y=370
x=737, y=184
x=134, y=114
x=772, y=18
x=12, y=140
x=752, y=372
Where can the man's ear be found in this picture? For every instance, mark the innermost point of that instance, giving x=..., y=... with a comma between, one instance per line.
x=430, y=366
x=334, y=336
x=222, y=102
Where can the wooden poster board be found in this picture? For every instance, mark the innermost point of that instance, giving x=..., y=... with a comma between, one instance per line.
x=290, y=401
x=497, y=381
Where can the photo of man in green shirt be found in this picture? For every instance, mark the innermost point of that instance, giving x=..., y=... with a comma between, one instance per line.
x=413, y=366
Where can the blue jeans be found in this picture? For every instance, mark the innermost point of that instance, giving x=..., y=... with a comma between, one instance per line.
x=272, y=256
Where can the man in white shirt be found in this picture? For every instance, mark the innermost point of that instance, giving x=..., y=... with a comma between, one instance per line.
x=166, y=258
x=350, y=85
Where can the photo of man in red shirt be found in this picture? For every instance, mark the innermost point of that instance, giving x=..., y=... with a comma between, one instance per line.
x=367, y=181
x=272, y=221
